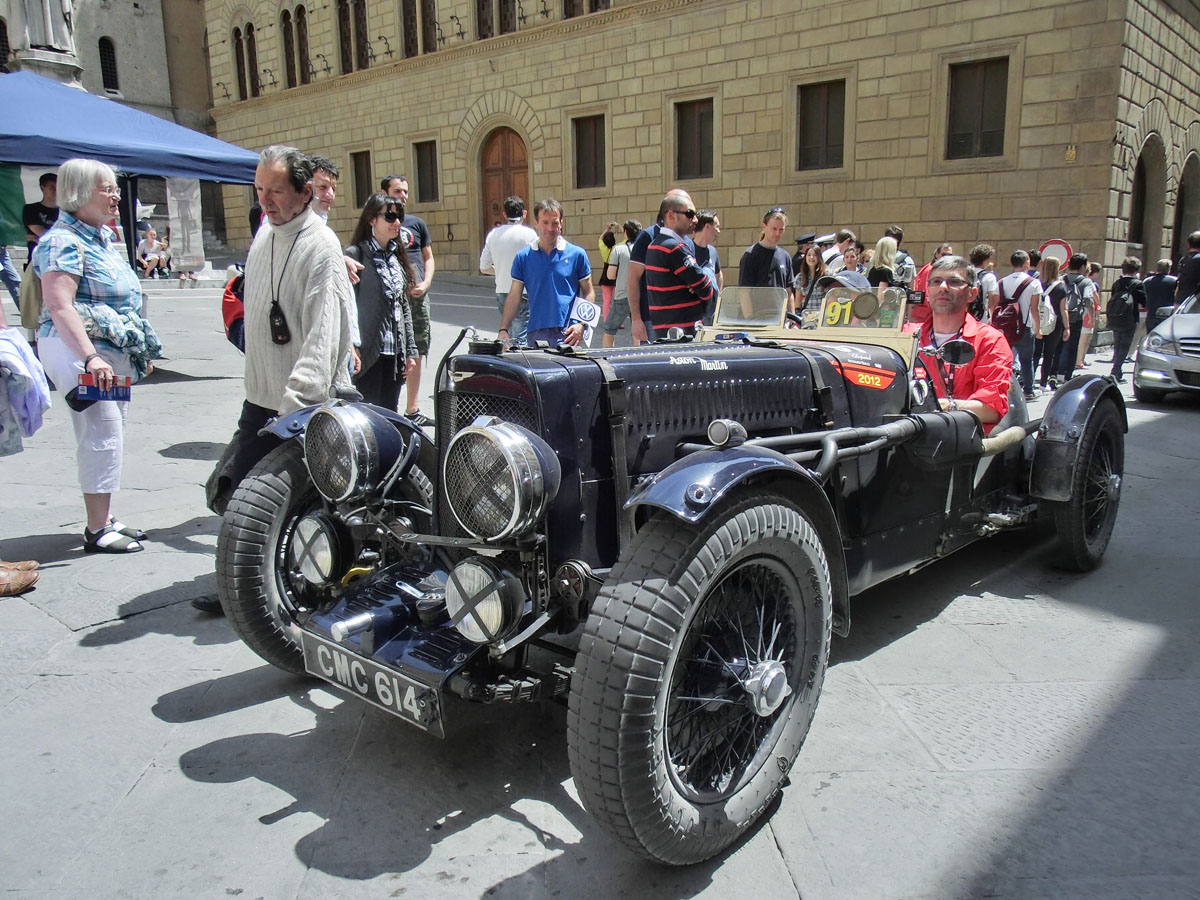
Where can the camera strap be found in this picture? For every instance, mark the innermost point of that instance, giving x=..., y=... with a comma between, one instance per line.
x=280, y=333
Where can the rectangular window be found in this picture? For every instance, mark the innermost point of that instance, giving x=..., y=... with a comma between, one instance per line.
x=364, y=181
x=589, y=151
x=572, y=8
x=425, y=154
x=821, y=123
x=694, y=139
x=978, y=97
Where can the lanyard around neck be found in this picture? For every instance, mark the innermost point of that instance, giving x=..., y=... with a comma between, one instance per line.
x=277, y=285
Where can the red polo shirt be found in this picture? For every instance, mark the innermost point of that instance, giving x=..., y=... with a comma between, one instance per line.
x=985, y=378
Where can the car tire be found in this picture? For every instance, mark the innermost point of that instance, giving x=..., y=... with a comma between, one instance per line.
x=680, y=618
x=1148, y=395
x=260, y=598
x=1084, y=524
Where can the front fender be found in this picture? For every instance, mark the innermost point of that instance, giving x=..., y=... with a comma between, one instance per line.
x=292, y=425
x=690, y=487
x=1063, y=425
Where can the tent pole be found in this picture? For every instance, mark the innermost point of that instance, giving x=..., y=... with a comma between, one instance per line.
x=128, y=185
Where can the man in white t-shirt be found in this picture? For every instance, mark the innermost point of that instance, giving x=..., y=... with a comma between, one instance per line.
x=1019, y=287
x=499, y=248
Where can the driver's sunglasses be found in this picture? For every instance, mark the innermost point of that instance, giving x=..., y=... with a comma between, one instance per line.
x=391, y=216
x=956, y=284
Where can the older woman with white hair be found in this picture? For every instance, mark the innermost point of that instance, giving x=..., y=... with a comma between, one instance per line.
x=91, y=322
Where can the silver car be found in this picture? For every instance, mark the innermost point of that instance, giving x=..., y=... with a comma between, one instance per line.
x=1169, y=356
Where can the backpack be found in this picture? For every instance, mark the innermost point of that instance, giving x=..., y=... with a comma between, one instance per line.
x=1075, y=300
x=1047, y=316
x=233, y=311
x=978, y=307
x=1121, y=309
x=1007, y=317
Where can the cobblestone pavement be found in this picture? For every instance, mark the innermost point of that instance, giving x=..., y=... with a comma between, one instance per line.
x=991, y=728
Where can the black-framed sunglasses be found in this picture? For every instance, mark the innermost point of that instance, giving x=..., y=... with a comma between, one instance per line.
x=391, y=216
x=776, y=210
x=688, y=213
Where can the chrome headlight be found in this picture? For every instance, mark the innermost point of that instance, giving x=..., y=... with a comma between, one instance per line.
x=1157, y=343
x=484, y=602
x=349, y=450
x=499, y=478
x=315, y=550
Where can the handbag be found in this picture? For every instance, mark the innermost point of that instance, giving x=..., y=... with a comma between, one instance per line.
x=31, y=299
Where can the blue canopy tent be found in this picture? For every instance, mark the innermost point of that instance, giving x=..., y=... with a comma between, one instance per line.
x=43, y=122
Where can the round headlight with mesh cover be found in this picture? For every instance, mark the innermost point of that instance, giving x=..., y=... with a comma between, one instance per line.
x=349, y=450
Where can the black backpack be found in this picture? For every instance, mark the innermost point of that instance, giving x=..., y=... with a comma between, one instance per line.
x=1121, y=309
x=1075, y=301
x=1007, y=317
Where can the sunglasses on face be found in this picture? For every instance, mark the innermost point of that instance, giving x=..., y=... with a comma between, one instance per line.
x=686, y=213
x=391, y=216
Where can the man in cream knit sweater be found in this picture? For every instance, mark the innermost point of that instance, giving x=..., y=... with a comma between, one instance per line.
x=295, y=268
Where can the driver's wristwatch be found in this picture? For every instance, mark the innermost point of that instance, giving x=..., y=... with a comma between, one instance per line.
x=953, y=405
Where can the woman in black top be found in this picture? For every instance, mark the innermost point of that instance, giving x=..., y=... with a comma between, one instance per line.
x=388, y=349
x=1056, y=290
x=882, y=271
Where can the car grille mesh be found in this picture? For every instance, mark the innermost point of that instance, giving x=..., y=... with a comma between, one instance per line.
x=328, y=453
x=478, y=477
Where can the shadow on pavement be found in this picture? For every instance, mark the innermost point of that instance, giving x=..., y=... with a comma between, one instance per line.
x=169, y=376
x=193, y=450
x=133, y=622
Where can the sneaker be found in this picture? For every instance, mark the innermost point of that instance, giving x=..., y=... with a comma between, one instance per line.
x=1054, y=382
x=208, y=603
x=419, y=419
x=1030, y=395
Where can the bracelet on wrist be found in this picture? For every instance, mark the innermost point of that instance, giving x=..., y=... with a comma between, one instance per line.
x=87, y=359
x=505, y=330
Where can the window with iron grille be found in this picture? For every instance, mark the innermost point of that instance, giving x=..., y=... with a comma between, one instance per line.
x=429, y=24
x=694, y=139
x=239, y=63
x=977, y=103
x=345, y=37
x=425, y=156
x=483, y=19
x=108, y=65
x=362, y=44
x=252, y=60
x=364, y=183
x=289, y=48
x=5, y=49
x=572, y=8
x=589, y=151
x=820, y=125
x=408, y=25
x=302, y=60
x=508, y=16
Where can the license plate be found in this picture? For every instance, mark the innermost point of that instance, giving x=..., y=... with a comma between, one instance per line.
x=416, y=703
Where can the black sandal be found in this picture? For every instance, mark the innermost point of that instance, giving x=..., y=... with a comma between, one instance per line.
x=136, y=533
x=119, y=544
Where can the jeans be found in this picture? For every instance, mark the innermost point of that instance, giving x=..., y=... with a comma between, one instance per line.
x=1068, y=353
x=520, y=324
x=1023, y=355
x=1122, y=341
x=8, y=274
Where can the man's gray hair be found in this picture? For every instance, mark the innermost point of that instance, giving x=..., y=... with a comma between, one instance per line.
x=955, y=263
x=77, y=178
x=298, y=164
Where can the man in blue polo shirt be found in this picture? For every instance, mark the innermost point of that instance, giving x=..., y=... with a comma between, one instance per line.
x=552, y=272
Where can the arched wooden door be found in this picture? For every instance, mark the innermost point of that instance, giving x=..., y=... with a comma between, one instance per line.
x=504, y=165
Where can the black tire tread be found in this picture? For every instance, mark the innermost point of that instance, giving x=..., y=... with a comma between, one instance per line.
x=1075, y=552
x=620, y=652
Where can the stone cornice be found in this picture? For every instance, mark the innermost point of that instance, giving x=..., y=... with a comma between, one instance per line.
x=500, y=44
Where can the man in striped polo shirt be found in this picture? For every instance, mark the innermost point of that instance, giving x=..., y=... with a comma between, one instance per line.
x=678, y=288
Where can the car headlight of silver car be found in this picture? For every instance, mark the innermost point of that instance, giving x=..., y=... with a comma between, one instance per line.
x=349, y=450
x=499, y=478
x=1157, y=343
x=484, y=601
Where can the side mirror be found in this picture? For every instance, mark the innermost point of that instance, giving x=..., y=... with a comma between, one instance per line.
x=1163, y=312
x=957, y=351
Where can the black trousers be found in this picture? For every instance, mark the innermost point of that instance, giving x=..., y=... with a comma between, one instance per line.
x=381, y=383
x=251, y=446
x=1050, y=351
x=1122, y=341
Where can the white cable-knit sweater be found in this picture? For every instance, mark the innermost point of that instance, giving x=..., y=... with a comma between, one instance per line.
x=315, y=295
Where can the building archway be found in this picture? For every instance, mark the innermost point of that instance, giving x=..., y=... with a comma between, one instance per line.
x=1187, y=206
x=503, y=172
x=1147, y=206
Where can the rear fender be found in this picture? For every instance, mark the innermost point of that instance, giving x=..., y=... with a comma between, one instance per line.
x=1063, y=424
x=690, y=487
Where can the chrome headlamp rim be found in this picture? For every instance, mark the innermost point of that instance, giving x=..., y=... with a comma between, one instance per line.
x=363, y=451
x=523, y=471
x=507, y=591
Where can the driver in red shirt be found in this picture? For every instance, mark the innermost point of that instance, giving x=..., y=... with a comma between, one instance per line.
x=980, y=386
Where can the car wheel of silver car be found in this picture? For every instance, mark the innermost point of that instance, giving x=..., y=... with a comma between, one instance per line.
x=698, y=675
x=1148, y=395
x=1084, y=523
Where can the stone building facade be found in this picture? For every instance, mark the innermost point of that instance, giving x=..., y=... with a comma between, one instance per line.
x=963, y=121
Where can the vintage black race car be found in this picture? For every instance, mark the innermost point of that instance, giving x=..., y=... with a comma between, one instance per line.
x=665, y=535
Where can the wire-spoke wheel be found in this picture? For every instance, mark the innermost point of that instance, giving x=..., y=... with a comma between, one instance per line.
x=698, y=675
x=1085, y=522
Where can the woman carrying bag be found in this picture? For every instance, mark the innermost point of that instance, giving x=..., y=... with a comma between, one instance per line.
x=389, y=347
